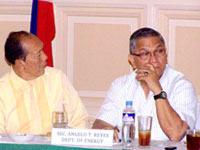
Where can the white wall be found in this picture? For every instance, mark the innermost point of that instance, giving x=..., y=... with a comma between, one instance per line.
x=91, y=44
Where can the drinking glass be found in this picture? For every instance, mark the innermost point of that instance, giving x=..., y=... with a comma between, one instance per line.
x=144, y=130
x=193, y=139
x=59, y=119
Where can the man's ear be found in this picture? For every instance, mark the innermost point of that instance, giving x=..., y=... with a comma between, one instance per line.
x=20, y=63
x=131, y=61
x=167, y=57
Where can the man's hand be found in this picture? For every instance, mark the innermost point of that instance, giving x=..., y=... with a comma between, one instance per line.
x=100, y=124
x=150, y=77
x=168, y=118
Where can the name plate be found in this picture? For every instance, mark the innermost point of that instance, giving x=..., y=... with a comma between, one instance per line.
x=90, y=137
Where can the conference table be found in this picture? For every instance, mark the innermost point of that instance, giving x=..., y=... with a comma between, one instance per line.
x=44, y=143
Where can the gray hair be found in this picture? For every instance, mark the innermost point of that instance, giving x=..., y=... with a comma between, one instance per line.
x=143, y=32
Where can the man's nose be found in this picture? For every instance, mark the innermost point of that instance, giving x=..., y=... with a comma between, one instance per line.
x=44, y=56
x=152, y=57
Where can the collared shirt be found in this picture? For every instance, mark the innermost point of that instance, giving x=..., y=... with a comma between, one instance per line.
x=197, y=124
x=27, y=106
x=181, y=96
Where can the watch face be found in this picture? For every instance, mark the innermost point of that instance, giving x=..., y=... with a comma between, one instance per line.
x=164, y=95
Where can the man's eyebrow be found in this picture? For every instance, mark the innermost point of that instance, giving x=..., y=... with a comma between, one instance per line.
x=160, y=46
x=38, y=51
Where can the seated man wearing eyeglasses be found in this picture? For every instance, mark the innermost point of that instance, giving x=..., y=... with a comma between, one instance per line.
x=155, y=88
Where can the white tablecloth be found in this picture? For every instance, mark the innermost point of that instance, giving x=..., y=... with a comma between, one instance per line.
x=155, y=145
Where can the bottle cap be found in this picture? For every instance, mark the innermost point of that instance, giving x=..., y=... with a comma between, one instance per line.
x=129, y=103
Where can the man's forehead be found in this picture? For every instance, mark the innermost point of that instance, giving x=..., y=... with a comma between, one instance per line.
x=31, y=43
x=149, y=38
x=155, y=41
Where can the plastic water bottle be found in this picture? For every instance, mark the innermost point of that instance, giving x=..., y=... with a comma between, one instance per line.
x=128, y=127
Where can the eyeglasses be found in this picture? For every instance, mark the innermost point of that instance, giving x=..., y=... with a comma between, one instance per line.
x=146, y=55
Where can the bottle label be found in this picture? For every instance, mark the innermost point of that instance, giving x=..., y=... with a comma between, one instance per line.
x=128, y=116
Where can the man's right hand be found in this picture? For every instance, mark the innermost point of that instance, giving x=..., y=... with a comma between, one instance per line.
x=100, y=124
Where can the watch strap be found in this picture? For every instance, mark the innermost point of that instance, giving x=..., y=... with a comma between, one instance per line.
x=161, y=95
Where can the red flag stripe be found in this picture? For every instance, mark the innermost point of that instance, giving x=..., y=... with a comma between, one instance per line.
x=46, y=27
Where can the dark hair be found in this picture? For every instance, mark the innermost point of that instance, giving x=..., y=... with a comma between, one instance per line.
x=13, y=46
x=143, y=32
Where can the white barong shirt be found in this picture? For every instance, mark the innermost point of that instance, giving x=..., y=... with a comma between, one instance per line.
x=180, y=92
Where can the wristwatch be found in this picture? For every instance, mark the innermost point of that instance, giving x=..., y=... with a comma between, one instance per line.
x=162, y=95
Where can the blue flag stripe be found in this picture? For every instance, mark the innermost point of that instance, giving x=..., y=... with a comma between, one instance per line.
x=34, y=13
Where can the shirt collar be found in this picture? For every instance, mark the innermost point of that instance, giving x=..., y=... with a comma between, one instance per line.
x=18, y=82
x=164, y=73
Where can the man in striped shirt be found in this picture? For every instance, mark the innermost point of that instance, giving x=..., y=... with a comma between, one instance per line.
x=155, y=88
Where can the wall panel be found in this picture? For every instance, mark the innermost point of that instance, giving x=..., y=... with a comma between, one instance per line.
x=181, y=29
x=11, y=19
x=91, y=43
x=95, y=46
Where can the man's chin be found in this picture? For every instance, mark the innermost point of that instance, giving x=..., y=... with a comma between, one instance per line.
x=41, y=72
x=44, y=66
x=159, y=73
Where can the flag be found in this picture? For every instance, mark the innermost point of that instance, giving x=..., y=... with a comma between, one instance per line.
x=43, y=25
